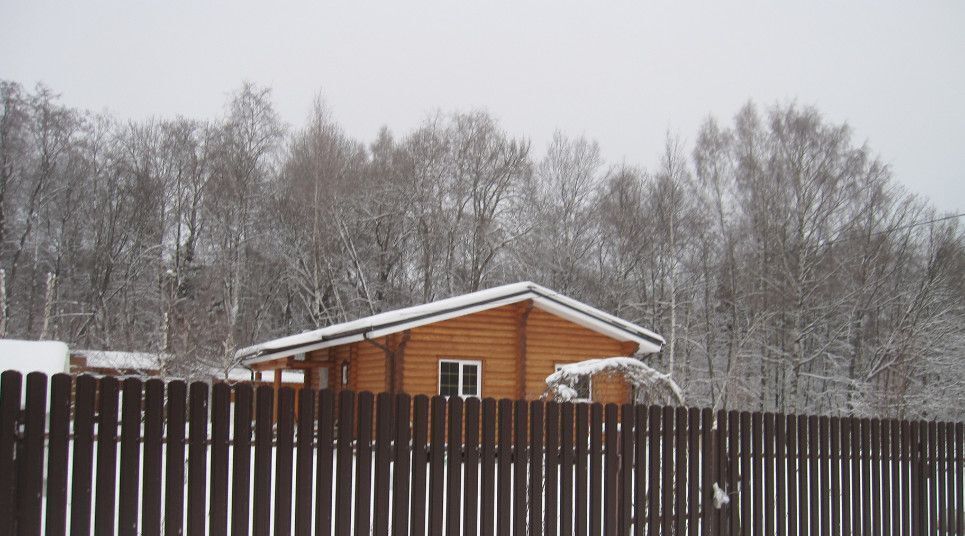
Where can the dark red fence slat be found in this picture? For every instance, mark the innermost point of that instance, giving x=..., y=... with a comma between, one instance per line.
x=470, y=505
x=960, y=476
x=596, y=470
x=10, y=386
x=324, y=462
x=824, y=466
x=504, y=467
x=693, y=471
x=627, y=422
x=153, y=461
x=264, y=421
x=814, y=469
x=487, y=476
x=834, y=439
x=345, y=455
x=640, y=473
x=403, y=463
x=30, y=478
x=536, y=468
x=866, y=508
x=520, y=421
x=104, y=501
x=680, y=471
x=931, y=477
x=940, y=470
x=174, y=460
x=303, y=463
x=733, y=472
x=874, y=457
x=57, y=459
x=197, y=458
x=383, y=459
x=722, y=521
x=454, y=465
x=757, y=481
x=420, y=427
x=566, y=469
x=218, y=489
x=746, y=510
x=847, y=480
x=82, y=456
x=130, y=457
x=709, y=466
x=363, y=465
x=780, y=474
x=581, y=496
x=284, y=445
x=654, y=426
x=886, y=489
x=805, y=508
x=437, y=473
x=241, y=461
x=610, y=470
x=769, y=502
x=550, y=510
x=790, y=463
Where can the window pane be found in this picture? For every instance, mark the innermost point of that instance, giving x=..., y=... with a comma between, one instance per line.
x=582, y=387
x=470, y=379
x=448, y=378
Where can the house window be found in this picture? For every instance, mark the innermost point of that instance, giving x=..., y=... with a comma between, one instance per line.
x=583, y=387
x=459, y=378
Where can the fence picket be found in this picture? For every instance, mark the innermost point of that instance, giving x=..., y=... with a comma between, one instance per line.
x=153, y=461
x=550, y=511
x=470, y=509
x=595, y=491
x=504, y=467
x=487, y=470
x=790, y=468
x=640, y=473
x=834, y=439
x=104, y=499
x=57, y=458
x=655, y=425
x=757, y=466
x=264, y=421
x=10, y=383
x=420, y=426
x=284, y=444
x=220, y=429
x=814, y=473
x=303, y=462
x=130, y=457
x=197, y=458
x=383, y=458
x=536, y=432
x=241, y=462
x=769, y=502
x=520, y=421
x=627, y=422
x=580, y=437
x=680, y=471
x=363, y=464
x=454, y=465
x=30, y=480
x=566, y=469
x=324, y=462
x=82, y=458
x=345, y=454
x=403, y=462
x=610, y=480
x=437, y=474
x=174, y=460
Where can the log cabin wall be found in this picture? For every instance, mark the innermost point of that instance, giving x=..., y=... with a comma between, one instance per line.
x=518, y=346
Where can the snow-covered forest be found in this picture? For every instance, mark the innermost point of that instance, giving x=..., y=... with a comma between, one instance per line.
x=787, y=269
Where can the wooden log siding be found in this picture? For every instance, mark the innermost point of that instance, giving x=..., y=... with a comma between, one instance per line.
x=518, y=346
x=639, y=470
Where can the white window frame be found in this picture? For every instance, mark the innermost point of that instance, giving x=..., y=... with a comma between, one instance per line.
x=462, y=363
x=556, y=368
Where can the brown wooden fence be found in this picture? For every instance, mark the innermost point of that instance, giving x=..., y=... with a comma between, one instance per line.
x=106, y=457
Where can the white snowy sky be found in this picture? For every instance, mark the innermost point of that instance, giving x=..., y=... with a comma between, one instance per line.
x=621, y=72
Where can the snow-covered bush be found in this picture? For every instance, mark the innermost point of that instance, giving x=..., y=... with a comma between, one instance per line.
x=650, y=386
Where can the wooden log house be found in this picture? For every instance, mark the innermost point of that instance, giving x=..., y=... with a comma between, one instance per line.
x=501, y=342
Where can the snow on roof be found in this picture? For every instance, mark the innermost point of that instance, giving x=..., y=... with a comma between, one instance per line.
x=112, y=359
x=402, y=319
x=49, y=357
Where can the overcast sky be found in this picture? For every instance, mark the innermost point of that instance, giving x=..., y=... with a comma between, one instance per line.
x=622, y=73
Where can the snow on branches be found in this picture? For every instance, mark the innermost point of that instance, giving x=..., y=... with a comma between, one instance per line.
x=650, y=385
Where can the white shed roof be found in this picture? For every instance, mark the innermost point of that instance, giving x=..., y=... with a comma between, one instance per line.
x=402, y=319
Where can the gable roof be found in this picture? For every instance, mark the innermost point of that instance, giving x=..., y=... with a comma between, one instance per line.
x=382, y=324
